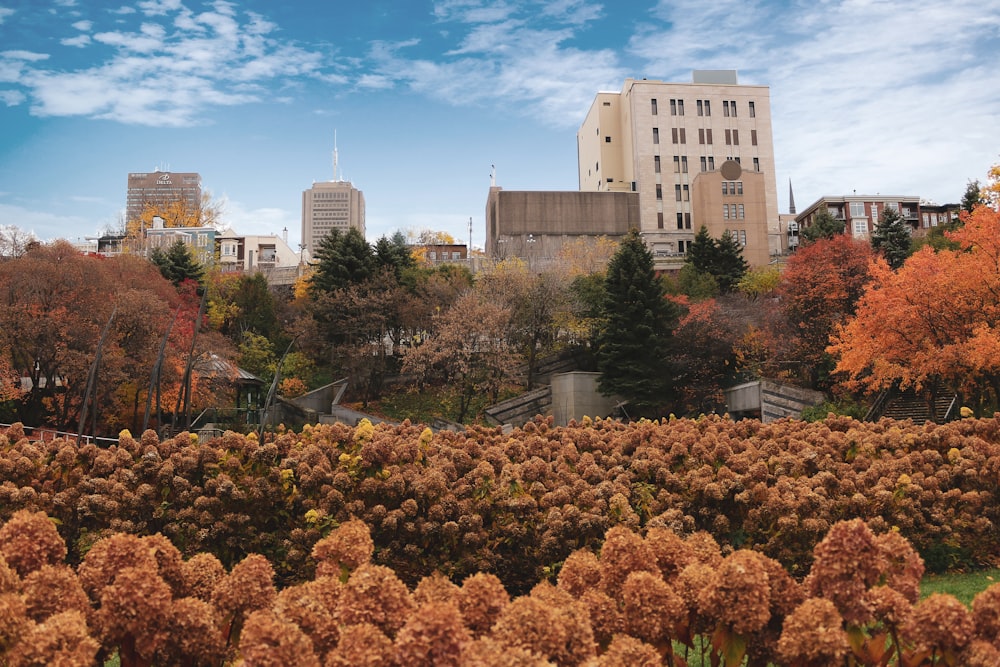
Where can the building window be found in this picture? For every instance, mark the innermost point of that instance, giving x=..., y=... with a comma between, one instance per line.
x=756, y=164
x=674, y=135
x=687, y=221
x=725, y=187
x=607, y=104
x=656, y=135
x=736, y=137
x=711, y=162
x=729, y=137
x=725, y=211
x=708, y=137
x=708, y=108
x=656, y=164
x=659, y=191
x=701, y=108
x=673, y=107
x=680, y=220
x=677, y=192
x=753, y=137
x=753, y=112
x=861, y=228
x=739, y=187
x=732, y=108
x=652, y=105
x=704, y=163
x=725, y=108
x=680, y=107
x=659, y=219
x=857, y=209
x=677, y=164
x=927, y=221
x=739, y=211
x=701, y=136
x=684, y=164
x=432, y=255
x=607, y=140
x=687, y=193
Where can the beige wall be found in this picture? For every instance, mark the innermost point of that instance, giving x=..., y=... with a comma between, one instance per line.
x=709, y=200
x=628, y=118
x=330, y=205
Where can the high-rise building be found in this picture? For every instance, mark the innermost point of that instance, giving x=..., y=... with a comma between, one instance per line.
x=330, y=205
x=696, y=154
x=160, y=188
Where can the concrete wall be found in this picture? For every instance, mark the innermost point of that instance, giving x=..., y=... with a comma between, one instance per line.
x=575, y=395
x=772, y=400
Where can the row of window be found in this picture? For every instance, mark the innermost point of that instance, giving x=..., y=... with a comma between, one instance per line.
x=708, y=164
x=732, y=212
x=704, y=107
x=732, y=187
x=739, y=234
x=678, y=135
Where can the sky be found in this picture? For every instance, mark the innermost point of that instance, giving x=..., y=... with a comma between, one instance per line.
x=426, y=97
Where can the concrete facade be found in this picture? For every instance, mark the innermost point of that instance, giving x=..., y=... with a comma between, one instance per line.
x=256, y=252
x=160, y=188
x=534, y=225
x=655, y=138
x=330, y=205
x=735, y=200
x=575, y=396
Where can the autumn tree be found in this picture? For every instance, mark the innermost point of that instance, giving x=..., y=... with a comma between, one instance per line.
x=891, y=237
x=177, y=263
x=933, y=323
x=341, y=259
x=704, y=359
x=14, y=241
x=824, y=226
x=467, y=352
x=634, y=344
x=176, y=213
x=819, y=290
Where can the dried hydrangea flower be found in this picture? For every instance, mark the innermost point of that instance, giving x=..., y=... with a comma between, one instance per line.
x=348, y=547
x=986, y=614
x=9, y=581
x=61, y=640
x=362, y=645
x=740, y=593
x=13, y=619
x=980, y=653
x=435, y=588
x=848, y=561
x=904, y=566
x=268, y=641
x=30, y=540
x=53, y=589
x=108, y=557
x=940, y=623
x=605, y=616
x=248, y=587
x=813, y=635
x=374, y=594
x=134, y=613
x=481, y=600
x=581, y=571
x=672, y=553
x=625, y=651
x=201, y=574
x=433, y=635
x=622, y=553
x=195, y=639
x=488, y=652
x=308, y=606
x=652, y=609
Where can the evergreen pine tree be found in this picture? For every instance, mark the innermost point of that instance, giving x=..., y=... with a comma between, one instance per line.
x=177, y=264
x=341, y=259
x=824, y=226
x=634, y=338
x=729, y=266
x=891, y=236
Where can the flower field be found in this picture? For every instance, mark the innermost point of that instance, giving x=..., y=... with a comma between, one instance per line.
x=600, y=543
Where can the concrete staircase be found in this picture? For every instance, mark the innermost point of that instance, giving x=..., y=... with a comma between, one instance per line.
x=901, y=405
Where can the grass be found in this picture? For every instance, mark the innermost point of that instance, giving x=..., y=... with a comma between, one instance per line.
x=963, y=585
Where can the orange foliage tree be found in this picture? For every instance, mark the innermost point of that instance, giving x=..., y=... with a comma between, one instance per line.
x=934, y=323
x=819, y=290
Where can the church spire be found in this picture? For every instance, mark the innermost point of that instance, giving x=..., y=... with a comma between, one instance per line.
x=791, y=198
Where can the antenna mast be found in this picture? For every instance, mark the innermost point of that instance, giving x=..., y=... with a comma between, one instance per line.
x=335, y=176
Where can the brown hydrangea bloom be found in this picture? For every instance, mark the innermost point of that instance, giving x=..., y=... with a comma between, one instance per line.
x=108, y=557
x=848, y=561
x=549, y=622
x=904, y=566
x=672, y=553
x=306, y=605
x=940, y=623
x=53, y=589
x=30, y=540
x=980, y=653
x=362, y=645
x=248, y=587
x=488, y=652
x=986, y=614
x=346, y=548
x=889, y=605
x=9, y=581
x=581, y=571
x=61, y=640
x=625, y=651
x=704, y=548
x=13, y=619
x=134, y=613
x=813, y=635
x=435, y=588
x=623, y=552
x=201, y=574
x=605, y=617
x=268, y=641
x=651, y=607
x=786, y=593
x=195, y=639
x=481, y=600
x=432, y=636
x=740, y=593
x=374, y=594
x=170, y=563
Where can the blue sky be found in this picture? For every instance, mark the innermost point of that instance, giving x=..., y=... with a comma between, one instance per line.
x=873, y=96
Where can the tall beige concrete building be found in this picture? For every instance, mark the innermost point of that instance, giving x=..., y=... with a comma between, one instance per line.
x=330, y=205
x=668, y=142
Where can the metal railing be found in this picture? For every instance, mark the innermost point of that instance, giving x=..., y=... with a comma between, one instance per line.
x=44, y=434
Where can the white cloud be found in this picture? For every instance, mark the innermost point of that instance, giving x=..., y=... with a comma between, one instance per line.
x=4, y=13
x=43, y=225
x=12, y=98
x=83, y=25
x=79, y=41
